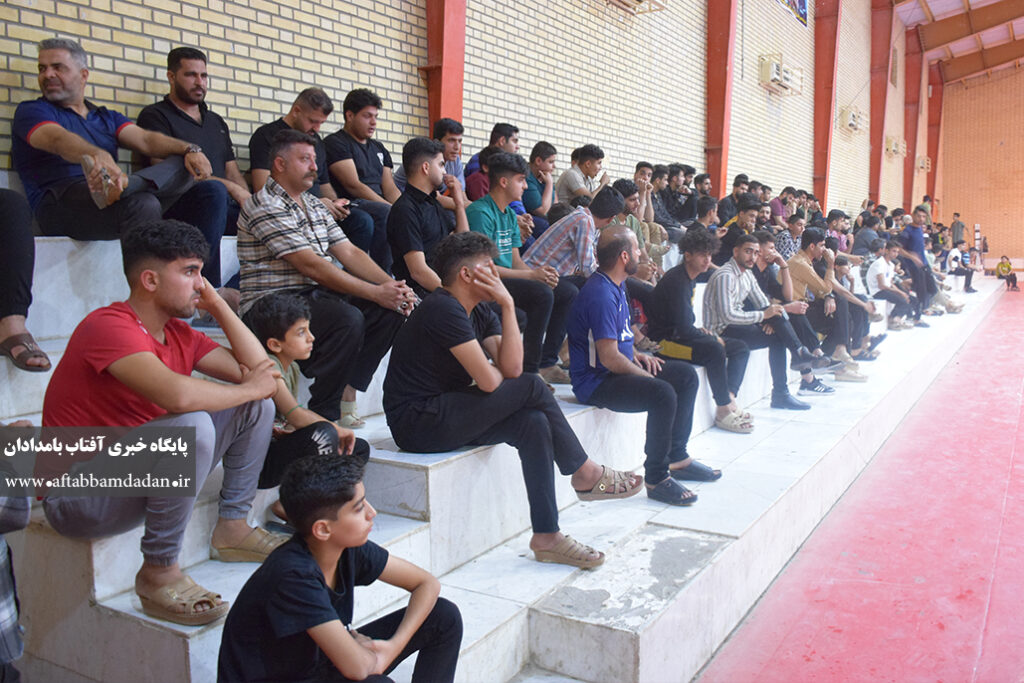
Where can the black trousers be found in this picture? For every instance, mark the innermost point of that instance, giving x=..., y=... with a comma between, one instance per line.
x=319, y=438
x=924, y=282
x=900, y=308
x=352, y=336
x=783, y=337
x=724, y=365
x=804, y=332
x=668, y=399
x=967, y=274
x=437, y=640
x=17, y=257
x=547, y=311
x=520, y=412
x=860, y=322
x=835, y=327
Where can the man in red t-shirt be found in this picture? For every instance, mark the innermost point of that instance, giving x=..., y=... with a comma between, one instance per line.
x=130, y=364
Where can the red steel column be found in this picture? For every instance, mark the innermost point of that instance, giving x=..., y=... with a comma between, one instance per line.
x=911, y=115
x=718, y=85
x=934, y=122
x=827, y=19
x=882, y=18
x=446, y=57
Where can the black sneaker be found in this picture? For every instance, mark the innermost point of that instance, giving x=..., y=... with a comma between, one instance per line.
x=970, y=290
x=787, y=401
x=827, y=364
x=802, y=360
x=815, y=388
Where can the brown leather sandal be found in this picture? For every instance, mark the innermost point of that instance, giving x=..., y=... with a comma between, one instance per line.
x=30, y=351
x=254, y=548
x=571, y=552
x=609, y=485
x=188, y=594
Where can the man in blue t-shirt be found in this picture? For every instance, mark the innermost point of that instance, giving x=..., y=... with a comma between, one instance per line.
x=913, y=259
x=64, y=149
x=613, y=376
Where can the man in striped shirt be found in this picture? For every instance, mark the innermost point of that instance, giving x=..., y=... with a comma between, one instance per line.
x=287, y=241
x=735, y=307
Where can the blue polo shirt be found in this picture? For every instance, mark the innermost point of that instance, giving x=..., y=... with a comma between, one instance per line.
x=601, y=311
x=41, y=170
x=912, y=239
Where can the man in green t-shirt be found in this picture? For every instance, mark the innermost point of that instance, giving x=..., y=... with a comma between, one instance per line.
x=536, y=291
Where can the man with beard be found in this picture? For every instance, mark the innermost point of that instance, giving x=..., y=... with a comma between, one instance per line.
x=183, y=114
x=64, y=146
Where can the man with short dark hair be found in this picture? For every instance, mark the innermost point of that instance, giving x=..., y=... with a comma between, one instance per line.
x=540, y=185
x=735, y=306
x=184, y=114
x=659, y=183
x=131, y=364
x=537, y=291
x=959, y=264
x=504, y=136
x=679, y=199
x=913, y=259
x=613, y=376
x=728, y=207
x=288, y=241
x=648, y=271
x=449, y=133
x=957, y=228
x=782, y=207
x=417, y=221
x=361, y=168
x=702, y=184
x=747, y=207
x=671, y=323
x=64, y=150
x=582, y=179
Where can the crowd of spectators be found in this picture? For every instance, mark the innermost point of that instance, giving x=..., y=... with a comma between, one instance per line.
x=489, y=282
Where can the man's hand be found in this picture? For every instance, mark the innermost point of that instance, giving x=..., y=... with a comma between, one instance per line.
x=485, y=275
x=346, y=442
x=651, y=364
x=385, y=650
x=209, y=298
x=198, y=165
x=395, y=296
x=547, y=275
x=779, y=260
x=906, y=297
x=829, y=255
x=796, y=307
x=830, y=306
x=721, y=231
x=525, y=226
x=772, y=311
x=262, y=378
x=337, y=207
x=868, y=306
x=455, y=190
x=605, y=179
x=645, y=271
x=544, y=177
x=103, y=162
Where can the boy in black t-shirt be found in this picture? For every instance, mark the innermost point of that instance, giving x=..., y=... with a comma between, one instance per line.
x=292, y=619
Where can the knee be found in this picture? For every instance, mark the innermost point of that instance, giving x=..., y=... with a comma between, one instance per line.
x=141, y=207
x=206, y=435
x=447, y=617
x=325, y=436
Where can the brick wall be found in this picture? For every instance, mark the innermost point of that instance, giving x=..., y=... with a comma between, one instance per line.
x=772, y=135
x=851, y=150
x=261, y=52
x=578, y=71
x=983, y=158
x=891, y=187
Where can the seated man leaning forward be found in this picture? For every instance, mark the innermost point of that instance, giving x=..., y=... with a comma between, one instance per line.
x=432, y=407
x=292, y=619
x=286, y=242
x=616, y=378
x=64, y=150
x=129, y=364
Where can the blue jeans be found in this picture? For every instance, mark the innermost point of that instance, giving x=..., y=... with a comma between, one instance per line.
x=205, y=205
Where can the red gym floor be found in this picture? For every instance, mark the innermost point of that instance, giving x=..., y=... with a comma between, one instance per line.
x=917, y=574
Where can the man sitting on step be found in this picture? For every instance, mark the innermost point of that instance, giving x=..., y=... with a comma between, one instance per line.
x=433, y=406
x=130, y=364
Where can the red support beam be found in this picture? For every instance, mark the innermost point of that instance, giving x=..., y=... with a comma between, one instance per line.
x=446, y=58
x=721, y=33
x=934, y=122
x=882, y=18
x=911, y=115
x=827, y=18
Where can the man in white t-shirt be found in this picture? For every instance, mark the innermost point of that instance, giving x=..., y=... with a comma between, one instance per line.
x=582, y=179
x=879, y=283
x=957, y=263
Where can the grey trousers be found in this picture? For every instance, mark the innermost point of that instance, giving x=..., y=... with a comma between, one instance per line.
x=239, y=436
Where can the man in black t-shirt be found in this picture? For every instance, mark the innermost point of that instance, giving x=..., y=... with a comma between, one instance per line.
x=292, y=619
x=309, y=111
x=432, y=406
x=360, y=167
x=211, y=205
x=729, y=206
x=417, y=222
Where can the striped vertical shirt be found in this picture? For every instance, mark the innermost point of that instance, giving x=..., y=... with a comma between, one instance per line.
x=272, y=225
x=569, y=246
x=728, y=289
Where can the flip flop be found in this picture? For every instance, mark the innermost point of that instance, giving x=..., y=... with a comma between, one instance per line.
x=607, y=487
x=696, y=471
x=571, y=552
x=672, y=492
x=30, y=351
x=876, y=340
x=188, y=594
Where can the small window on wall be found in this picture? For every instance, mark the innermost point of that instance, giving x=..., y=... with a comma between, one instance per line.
x=894, y=68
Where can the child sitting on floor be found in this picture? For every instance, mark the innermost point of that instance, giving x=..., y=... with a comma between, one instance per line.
x=292, y=619
x=1004, y=271
x=281, y=323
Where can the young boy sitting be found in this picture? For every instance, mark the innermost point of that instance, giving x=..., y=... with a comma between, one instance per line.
x=292, y=619
x=281, y=323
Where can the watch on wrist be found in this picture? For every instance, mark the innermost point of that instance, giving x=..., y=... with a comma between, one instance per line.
x=193, y=149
